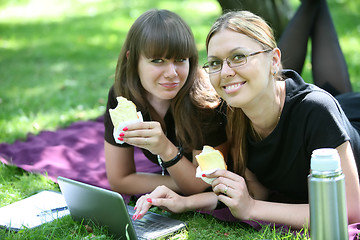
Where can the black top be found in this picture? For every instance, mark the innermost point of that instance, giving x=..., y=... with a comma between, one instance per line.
x=311, y=119
x=213, y=129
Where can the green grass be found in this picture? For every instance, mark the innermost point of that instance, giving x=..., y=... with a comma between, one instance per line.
x=16, y=184
x=57, y=60
x=56, y=68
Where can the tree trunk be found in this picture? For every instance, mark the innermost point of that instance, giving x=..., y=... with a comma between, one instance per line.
x=276, y=12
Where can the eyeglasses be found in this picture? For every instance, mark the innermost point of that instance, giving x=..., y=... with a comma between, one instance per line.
x=235, y=60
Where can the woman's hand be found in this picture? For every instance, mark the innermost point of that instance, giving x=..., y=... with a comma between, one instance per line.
x=232, y=191
x=162, y=197
x=147, y=135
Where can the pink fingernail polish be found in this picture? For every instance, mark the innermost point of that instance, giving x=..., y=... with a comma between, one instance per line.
x=203, y=175
x=121, y=134
x=125, y=128
x=133, y=217
x=149, y=200
x=135, y=207
x=121, y=139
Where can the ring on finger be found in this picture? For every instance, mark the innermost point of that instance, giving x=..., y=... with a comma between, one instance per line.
x=225, y=190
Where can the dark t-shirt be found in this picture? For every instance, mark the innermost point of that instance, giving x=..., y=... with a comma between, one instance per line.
x=213, y=129
x=311, y=119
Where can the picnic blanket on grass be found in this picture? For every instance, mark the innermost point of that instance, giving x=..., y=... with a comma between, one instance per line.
x=77, y=152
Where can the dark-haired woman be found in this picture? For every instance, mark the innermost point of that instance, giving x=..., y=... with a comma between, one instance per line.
x=158, y=70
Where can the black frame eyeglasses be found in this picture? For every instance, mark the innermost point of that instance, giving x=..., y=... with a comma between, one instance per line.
x=235, y=60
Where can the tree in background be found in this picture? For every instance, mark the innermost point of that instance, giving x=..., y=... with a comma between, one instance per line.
x=276, y=12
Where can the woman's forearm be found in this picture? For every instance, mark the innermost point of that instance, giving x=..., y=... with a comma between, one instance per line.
x=184, y=172
x=140, y=183
x=295, y=215
x=201, y=201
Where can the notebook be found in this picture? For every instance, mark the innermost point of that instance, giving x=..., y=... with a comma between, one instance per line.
x=107, y=208
x=33, y=211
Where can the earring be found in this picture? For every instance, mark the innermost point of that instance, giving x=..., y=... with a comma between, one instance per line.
x=274, y=73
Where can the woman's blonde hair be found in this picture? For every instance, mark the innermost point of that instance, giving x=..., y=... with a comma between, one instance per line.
x=238, y=124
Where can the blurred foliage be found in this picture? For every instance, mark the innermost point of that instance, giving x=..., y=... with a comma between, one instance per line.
x=58, y=57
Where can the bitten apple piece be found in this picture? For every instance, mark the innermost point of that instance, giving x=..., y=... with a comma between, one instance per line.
x=124, y=111
x=210, y=159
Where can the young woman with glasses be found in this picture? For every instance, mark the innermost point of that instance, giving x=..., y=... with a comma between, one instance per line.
x=159, y=72
x=275, y=121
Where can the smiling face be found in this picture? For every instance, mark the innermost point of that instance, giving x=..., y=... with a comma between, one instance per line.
x=246, y=84
x=162, y=78
x=150, y=56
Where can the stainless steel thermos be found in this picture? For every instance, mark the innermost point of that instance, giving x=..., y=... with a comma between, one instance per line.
x=327, y=199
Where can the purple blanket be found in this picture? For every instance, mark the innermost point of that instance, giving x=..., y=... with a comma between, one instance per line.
x=77, y=152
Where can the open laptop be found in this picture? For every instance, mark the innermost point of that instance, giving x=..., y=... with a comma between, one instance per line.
x=107, y=208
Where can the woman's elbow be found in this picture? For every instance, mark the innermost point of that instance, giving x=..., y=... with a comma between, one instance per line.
x=354, y=216
x=117, y=185
x=353, y=210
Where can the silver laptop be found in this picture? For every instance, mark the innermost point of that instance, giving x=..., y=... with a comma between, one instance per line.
x=107, y=208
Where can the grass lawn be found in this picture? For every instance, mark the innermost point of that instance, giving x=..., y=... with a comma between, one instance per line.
x=57, y=62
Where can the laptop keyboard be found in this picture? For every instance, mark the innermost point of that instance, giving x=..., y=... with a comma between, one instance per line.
x=153, y=224
x=147, y=225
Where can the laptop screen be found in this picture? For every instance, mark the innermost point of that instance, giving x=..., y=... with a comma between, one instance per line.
x=107, y=208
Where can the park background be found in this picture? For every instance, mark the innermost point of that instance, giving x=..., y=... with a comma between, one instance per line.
x=57, y=62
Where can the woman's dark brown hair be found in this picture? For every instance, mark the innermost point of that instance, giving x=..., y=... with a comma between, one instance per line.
x=164, y=34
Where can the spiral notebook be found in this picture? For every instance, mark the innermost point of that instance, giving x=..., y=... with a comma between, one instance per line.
x=107, y=208
x=33, y=211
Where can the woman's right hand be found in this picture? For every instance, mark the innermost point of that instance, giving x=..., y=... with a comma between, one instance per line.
x=233, y=192
x=148, y=135
x=162, y=197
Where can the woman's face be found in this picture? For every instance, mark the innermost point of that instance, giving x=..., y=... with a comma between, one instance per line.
x=245, y=84
x=162, y=78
